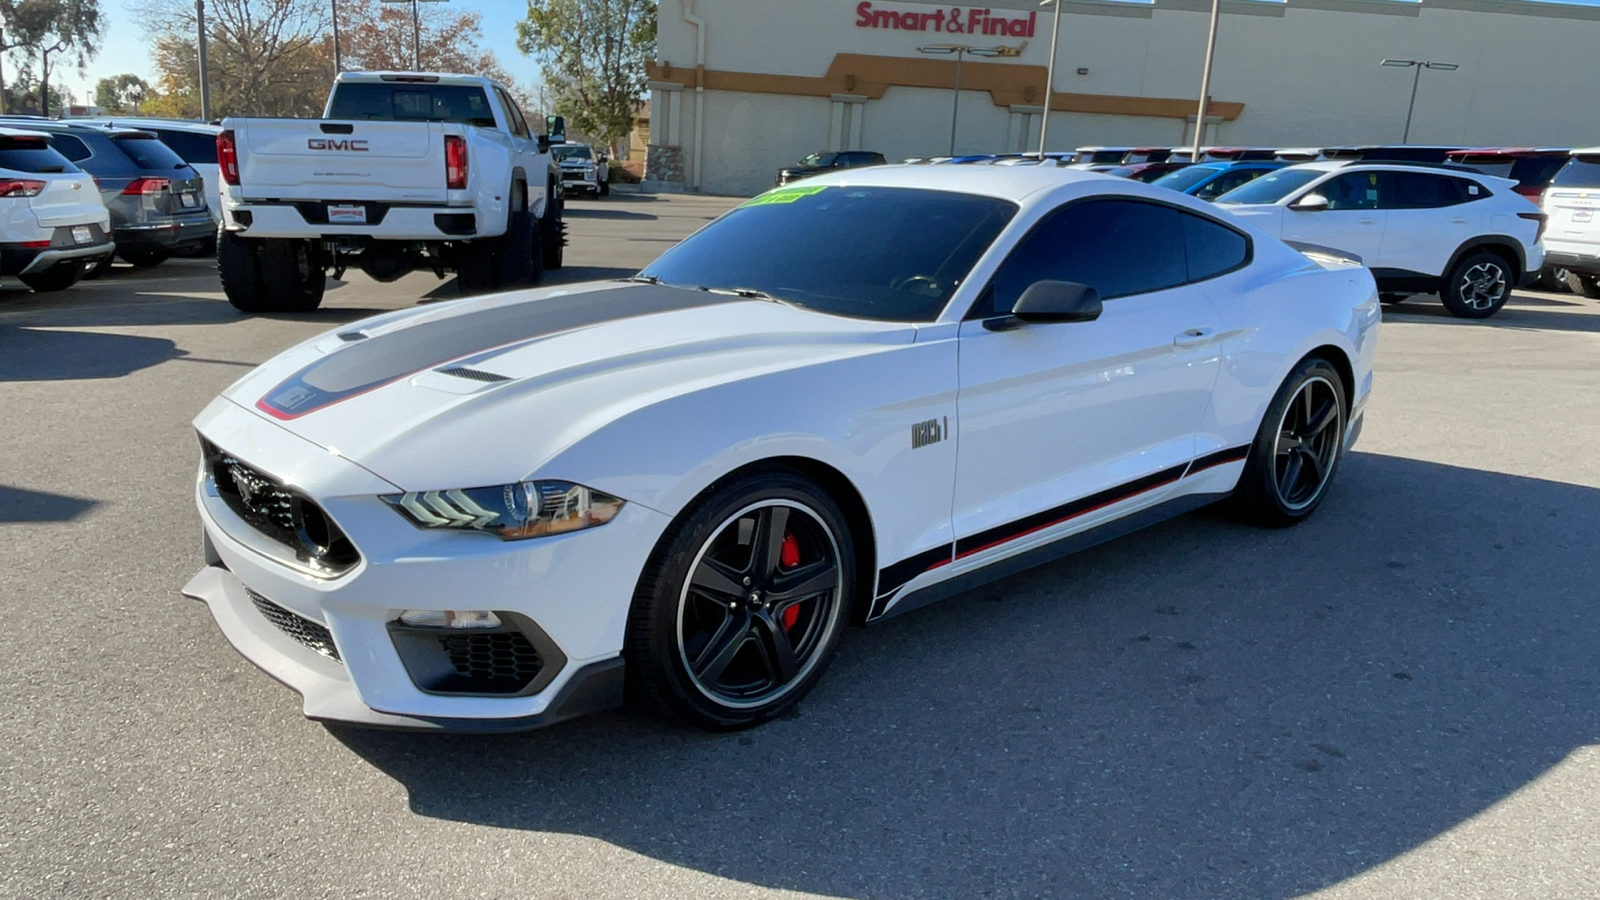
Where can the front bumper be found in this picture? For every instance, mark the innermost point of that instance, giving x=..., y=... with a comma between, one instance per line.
x=575, y=180
x=574, y=589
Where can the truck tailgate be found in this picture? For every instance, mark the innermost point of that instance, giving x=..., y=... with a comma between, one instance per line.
x=310, y=159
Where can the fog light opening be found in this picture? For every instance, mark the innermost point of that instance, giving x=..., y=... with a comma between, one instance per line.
x=450, y=618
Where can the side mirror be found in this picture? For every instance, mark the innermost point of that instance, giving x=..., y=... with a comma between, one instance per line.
x=556, y=129
x=1310, y=203
x=1051, y=301
x=544, y=143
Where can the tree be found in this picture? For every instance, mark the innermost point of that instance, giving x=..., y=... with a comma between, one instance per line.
x=43, y=27
x=263, y=56
x=121, y=94
x=376, y=37
x=22, y=93
x=593, y=54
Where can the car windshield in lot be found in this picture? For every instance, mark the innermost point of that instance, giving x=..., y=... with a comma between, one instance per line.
x=1183, y=179
x=819, y=159
x=891, y=254
x=1272, y=188
x=409, y=102
x=571, y=152
x=1581, y=171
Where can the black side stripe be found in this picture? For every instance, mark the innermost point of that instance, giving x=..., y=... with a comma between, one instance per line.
x=895, y=576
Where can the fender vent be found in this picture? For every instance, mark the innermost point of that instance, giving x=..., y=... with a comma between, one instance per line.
x=473, y=374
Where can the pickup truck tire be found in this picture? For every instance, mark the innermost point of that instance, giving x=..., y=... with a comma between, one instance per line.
x=1587, y=285
x=506, y=263
x=292, y=275
x=553, y=235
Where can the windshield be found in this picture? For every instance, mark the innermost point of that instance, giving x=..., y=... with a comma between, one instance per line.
x=571, y=151
x=1183, y=179
x=1272, y=187
x=819, y=159
x=410, y=102
x=892, y=254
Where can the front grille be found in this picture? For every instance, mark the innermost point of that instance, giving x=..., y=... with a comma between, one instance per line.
x=305, y=632
x=501, y=662
x=279, y=513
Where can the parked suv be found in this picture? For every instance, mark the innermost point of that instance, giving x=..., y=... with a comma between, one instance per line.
x=52, y=223
x=820, y=162
x=1573, y=204
x=157, y=201
x=194, y=142
x=1420, y=228
x=581, y=169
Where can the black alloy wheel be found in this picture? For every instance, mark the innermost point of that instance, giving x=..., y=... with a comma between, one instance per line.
x=1297, y=448
x=740, y=609
x=1308, y=443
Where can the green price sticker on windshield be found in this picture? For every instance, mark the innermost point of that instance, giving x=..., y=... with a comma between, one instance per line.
x=784, y=195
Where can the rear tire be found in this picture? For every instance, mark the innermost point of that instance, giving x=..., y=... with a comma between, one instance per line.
x=292, y=275
x=605, y=188
x=145, y=259
x=1478, y=286
x=729, y=651
x=240, y=269
x=1587, y=285
x=57, y=278
x=1553, y=279
x=1297, y=448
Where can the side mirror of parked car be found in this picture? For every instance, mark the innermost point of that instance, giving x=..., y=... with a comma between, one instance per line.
x=556, y=129
x=1310, y=203
x=1051, y=301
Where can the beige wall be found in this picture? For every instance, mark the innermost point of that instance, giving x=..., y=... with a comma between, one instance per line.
x=1306, y=71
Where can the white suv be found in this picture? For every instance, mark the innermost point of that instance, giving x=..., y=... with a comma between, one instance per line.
x=1421, y=229
x=1572, y=201
x=53, y=224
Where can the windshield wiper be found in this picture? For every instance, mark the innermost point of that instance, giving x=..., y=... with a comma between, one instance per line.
x=746, y=293
x=643, y=279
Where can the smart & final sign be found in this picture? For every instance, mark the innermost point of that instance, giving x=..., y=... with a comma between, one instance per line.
x=955, y=20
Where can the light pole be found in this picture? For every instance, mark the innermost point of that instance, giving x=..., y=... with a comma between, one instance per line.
x=1205, y=78
x=338, y=61
x=960, y=50
x=1049, y=74
x=205, y=85
x=1419, y=65
x=416, y=28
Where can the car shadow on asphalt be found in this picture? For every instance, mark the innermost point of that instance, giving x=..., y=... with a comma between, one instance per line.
x=1203, y=709
x=35, y=354
x=1523, y=311
x=109, y=309
x=22, y=505
x=591, y=212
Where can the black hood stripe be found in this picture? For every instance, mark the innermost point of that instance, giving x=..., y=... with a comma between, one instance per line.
x=366, y=365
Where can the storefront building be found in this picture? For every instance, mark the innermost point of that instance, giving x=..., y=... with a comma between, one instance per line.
x=743, y=87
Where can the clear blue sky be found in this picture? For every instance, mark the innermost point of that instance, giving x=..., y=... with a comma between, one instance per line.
x=124, y=48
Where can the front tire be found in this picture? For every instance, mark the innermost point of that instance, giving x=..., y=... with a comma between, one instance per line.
x=553, y=233
x=1478, y=286
x=1297, y=448
x=739, y=610
x=1587, y=285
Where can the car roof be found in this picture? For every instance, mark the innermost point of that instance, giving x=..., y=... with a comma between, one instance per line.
x=444, y=78
x=73, y=125
x=21, y=132
x=145, y=123
x=1015, y=183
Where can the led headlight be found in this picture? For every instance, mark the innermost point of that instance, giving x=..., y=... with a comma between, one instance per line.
x=511, y=512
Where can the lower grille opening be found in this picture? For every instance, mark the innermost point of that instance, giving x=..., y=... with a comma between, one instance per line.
x=305, y=632
x=515, y=659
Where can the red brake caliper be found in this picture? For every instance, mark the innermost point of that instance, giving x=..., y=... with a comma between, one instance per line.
x=788, y=558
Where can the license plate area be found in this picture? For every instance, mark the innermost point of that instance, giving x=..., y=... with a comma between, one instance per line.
x=82, y=234
x=346, y=214
x=188, y=201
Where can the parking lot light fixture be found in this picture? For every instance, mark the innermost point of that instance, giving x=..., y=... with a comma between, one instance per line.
x=1418, y=65
x=959, y=51
x=1049, y=74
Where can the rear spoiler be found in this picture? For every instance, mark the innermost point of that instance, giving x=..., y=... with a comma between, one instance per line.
x=1327, y=253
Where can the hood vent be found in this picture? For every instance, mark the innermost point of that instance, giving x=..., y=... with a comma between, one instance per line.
x=473, y=374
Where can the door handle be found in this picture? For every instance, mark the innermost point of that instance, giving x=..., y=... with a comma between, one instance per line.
x=1191, y=336
x=1369, y=221
x=1458, y=221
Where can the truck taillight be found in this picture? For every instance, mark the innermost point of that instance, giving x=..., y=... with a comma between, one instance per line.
x=227, y=158
x=20, y=187
x=455, y=162
x=147, y=186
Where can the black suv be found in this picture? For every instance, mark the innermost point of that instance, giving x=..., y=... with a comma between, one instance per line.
x=156, y=200
x=817, y=163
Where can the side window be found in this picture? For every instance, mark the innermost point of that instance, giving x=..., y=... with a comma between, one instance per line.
x=1421, y=190
x=1226, y=182
x=1468, y=190
x=1213, y=248
x=1118, y=247
x=517, y=125
x=1352, y=190
x=70, y=147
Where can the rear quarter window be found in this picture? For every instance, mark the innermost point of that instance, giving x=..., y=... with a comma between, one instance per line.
x=32, y=155
x=1580, y=171
x=70, y=146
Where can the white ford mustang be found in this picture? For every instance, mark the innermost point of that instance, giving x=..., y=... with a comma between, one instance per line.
x=839, y=401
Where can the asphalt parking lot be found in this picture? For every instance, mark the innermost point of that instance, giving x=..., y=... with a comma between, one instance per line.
x=1397, y=699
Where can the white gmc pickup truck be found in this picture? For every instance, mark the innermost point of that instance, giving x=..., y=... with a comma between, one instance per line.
x=404, y=171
